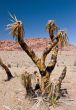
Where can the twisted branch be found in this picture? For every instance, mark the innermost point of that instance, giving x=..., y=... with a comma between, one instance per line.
x=53, y=60
x=9, y=75
x=59, y=82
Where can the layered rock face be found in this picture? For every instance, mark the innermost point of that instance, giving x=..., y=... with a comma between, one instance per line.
x=37, y=44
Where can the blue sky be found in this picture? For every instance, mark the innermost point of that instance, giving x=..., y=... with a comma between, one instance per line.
x=35, y=14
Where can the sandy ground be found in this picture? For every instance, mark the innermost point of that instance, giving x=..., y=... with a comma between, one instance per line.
x=12, y=93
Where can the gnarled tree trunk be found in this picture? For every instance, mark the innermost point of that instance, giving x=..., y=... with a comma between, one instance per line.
x=40, y=62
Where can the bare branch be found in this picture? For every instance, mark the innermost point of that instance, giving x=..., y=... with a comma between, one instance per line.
x=53, y=60
x=17, y=30
x=48, y=49
x=9, y=75
x=62, y=76
x=61, y=37
x=59, y=82
x=28, y=50
x=51, y=27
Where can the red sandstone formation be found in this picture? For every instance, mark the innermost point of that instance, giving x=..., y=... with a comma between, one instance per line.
x=37, y=44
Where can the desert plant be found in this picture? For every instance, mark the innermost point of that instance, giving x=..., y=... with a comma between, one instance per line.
x=17, y=30
x=9, y=75
x=26, y=81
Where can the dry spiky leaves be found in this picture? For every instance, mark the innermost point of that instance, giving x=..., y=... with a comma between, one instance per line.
x=14, y=26
x=63, y=39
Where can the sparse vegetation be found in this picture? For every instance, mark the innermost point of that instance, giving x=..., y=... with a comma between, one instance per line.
x=47, y=89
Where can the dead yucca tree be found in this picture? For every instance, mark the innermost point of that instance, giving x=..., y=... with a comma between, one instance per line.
x=9, y=75
x=16, y=28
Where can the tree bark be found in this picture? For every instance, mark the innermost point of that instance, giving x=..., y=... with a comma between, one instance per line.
x=25, y=47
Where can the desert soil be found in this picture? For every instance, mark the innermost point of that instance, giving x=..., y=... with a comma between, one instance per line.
x=13, y=93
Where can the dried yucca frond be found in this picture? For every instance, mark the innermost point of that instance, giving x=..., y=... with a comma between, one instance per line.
x=51, y=25
x=16, y=27
x=63, y=39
